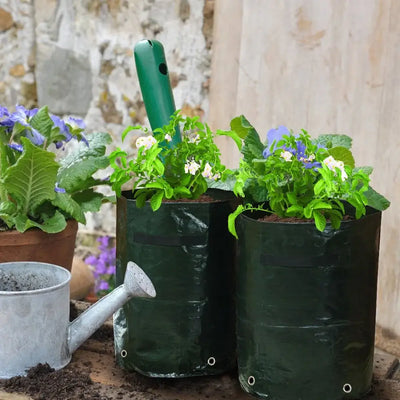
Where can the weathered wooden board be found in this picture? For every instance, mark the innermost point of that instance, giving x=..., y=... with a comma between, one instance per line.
x=326, y=66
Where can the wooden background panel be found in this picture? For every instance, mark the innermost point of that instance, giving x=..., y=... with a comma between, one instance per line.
x=325, y=66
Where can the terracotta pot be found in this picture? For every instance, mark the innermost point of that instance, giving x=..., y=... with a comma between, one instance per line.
x=36, y=245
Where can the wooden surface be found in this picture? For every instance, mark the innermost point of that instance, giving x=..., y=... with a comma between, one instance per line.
x=327, y=67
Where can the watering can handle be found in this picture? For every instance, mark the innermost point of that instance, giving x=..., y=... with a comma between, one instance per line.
x=152, y=71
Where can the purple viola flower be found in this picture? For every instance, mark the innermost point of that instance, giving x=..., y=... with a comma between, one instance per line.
x=64, y=129
x=273, y=137
x=103, y=285
x=111, y=270
x=17, y=147
x=103, y=240
x=34, y=136
x=91, y=260
x=58, y=189
x=4, y=112
x=76, y=123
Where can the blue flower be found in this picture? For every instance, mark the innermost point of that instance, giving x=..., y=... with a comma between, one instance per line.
x=22, y=116
x=17, y=147
x=76, y=123
x=58, y=189
x=64, y=129
x=4, y=112
x=273, y=137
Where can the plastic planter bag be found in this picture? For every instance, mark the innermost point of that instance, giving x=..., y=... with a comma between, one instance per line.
x=306, y=308
x=187, y=251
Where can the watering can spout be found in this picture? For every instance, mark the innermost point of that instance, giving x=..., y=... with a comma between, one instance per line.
x=136, y=284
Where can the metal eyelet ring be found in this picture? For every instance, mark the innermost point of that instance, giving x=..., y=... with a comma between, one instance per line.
x=251, y=380
x=347, y=388
x=124, y=353
x=211, y=361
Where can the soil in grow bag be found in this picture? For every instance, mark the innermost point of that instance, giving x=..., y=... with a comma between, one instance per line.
x=188, y=253
x=306, y=308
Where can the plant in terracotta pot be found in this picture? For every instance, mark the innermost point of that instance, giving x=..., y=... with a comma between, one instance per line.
x=175, y=228
x=46, y=190
x=308, y=243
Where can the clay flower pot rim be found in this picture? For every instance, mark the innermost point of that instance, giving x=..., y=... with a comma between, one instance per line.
x=35, y=235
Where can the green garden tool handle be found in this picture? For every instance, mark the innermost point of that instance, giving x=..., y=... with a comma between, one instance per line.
x=152, y=72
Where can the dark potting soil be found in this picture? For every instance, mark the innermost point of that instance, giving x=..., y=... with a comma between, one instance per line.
x=44, y=383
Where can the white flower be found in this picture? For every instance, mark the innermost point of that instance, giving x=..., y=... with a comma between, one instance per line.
x=145, y=141
x=194, y=139
x=286, y=155
x=168, y=138
x=332, y=164
x=191, y=167
x=216, y=176
x=207, y=172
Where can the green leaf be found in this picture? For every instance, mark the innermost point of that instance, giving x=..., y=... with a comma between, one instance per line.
x=292, y=198
x=319, y=205
x=141, y=197
x=226, y=184
x=259, y=165
x=79, y=166
x=7, y=213
x=367, y=170
x=334, y=140
x=342, y=154
x=376, y=200
x=233, y=135
x=232, y=218
x=32, y=179
x=55, y=224
x=42, y=122
x=319, y=187
x=320, y=220
x=129, y=129
x=65, y=203
x=181, y=191
x=156, y=200
x=253, y=147
x=241, y=126
x=295, y=210
x=89, y=200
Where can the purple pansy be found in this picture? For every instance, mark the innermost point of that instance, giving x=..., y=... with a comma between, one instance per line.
x=273, y=137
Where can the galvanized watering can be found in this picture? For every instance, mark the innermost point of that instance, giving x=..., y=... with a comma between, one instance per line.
x=34, y=314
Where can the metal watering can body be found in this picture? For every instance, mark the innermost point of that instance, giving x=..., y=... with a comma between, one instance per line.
x=34, y=314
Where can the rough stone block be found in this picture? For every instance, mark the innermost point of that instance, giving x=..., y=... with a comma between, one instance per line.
x=6, y=20
x=64, y=81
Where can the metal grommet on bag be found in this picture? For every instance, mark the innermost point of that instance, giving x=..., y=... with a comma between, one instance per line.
x=347, y=388
x=251, y=380
x=124, y=353
x=211, y=361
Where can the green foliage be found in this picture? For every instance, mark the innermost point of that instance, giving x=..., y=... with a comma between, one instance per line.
x=296, y=176
x=38, y=190
x=159, y=172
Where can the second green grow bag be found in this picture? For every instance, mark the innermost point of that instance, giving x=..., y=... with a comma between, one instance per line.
x=188, y=253
x=306, y=308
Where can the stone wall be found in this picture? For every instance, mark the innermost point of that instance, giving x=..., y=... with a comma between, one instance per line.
x=76, y=56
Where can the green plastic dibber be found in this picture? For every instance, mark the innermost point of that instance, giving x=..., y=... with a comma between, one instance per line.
x=152, y=71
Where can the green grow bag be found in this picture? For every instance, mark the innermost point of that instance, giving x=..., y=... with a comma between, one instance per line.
x=306, y=305
x=188, y=253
